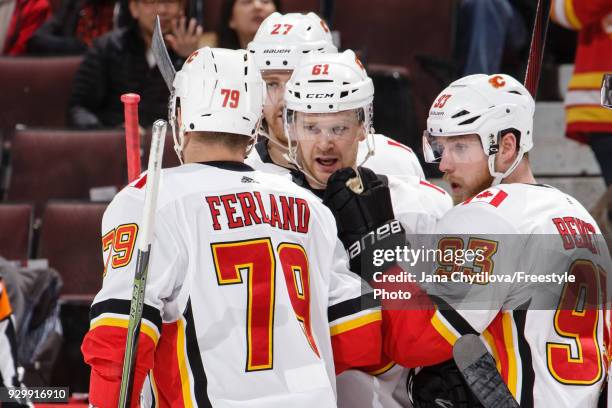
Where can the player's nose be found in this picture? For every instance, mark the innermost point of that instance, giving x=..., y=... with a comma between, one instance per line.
x=446, y=162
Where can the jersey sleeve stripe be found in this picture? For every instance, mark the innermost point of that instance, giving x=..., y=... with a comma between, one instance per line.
x=528, y=374
x=146, y=327
x=453, y=317
x=383, y=370
x=490, y=341
x=351, y=306
x=122, y=307
x=513, y=358
x=154, y=392
x=345, y=326
x=570, y=13
x=182, y=362
x=444, y=328
x=200, y=385
x=438, y=189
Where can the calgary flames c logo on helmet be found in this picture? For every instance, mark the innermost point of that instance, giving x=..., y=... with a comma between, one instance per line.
x=497, y=81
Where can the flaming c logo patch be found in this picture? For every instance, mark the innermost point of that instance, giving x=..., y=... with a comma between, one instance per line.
x=497, y=81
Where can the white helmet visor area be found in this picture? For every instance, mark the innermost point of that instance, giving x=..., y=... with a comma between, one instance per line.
x=457, y=148
x=275, y=86
x=343, y=125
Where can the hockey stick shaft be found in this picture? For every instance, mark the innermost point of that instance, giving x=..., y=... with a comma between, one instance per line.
x=480, y=372
x=132, y=134
x=536, y=49
x=142, y=262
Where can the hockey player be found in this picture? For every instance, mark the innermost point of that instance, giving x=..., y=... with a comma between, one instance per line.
x=328, y=115
x=246, y=272
x=547, y=339
x=281, y=41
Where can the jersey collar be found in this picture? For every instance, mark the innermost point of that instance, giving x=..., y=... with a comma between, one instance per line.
x=228, y=165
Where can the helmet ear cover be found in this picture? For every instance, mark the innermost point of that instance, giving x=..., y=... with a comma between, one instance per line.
x=494, y=148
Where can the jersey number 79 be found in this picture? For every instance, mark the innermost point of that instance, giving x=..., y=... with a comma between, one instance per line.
x=255, y=261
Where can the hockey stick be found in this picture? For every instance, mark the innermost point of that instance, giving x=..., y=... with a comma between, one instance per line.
x=160, y=52
x=142, y=261
x=478, y=368
x=536, y=49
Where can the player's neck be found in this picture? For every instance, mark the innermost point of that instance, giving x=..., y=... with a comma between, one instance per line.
x=522, y=174
x=204, y=153
x=277, y=154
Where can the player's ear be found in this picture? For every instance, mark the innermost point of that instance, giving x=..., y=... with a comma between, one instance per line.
x=362, y=134
x=508, y=148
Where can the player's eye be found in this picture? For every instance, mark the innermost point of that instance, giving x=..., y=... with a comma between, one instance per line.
x=311, y=129
x=460, y=147
x=339, y=130
x=272, y=86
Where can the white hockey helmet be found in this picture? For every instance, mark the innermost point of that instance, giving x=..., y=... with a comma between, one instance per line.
x=486, y=105
x=328, y=83
x=218, y=90
x=282, y=39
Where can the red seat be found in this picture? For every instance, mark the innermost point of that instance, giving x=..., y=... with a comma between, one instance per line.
x=15, y=231
x=65, y=164
x=35, y=90
x=170, y=159
x=70, y=239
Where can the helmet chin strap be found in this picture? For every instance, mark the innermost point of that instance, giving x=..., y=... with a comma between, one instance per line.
x=178, y=141
x=499, y=177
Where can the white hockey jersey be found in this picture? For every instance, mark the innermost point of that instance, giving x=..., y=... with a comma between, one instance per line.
x=418, y=205
x=248, y=291
x=548, y=335
x=390, y=158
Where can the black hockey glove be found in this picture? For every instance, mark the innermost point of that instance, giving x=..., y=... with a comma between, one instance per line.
x=441, y=385
x=364, y=217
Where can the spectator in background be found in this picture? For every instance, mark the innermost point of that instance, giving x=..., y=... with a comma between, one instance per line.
x=486, y=29
x=586, y=120
x=73, y=28
x=18, y=21
x=121, y=61
x=240, y=20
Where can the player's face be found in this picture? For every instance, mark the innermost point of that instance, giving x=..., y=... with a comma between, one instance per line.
x=145, y=12
x=464, y=165
x=327, y=142
x=274, y=103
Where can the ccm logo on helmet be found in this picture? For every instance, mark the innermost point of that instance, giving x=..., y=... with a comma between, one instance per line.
x=319, y=96
x=497, y=81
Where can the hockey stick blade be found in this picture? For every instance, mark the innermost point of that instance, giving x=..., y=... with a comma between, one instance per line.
x=606, y=91
x=479, y=370
x=142, y=262
x=160, y=52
